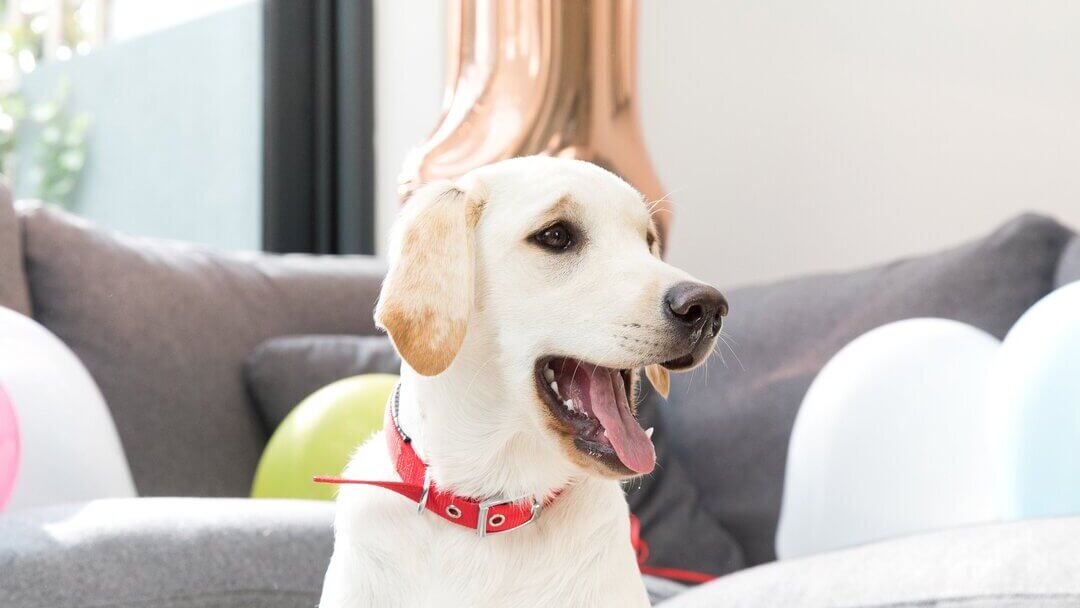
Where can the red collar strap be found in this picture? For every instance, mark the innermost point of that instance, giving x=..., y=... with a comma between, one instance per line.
x=416, y=485
x=499, y=516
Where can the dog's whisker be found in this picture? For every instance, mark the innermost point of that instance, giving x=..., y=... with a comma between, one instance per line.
x=476, y=375
x=691, y=381
x=604, y=357
x=653, y=204
x=733, y=353
x=715, y=352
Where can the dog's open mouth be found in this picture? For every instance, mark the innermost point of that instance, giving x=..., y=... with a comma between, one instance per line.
x=593, y=403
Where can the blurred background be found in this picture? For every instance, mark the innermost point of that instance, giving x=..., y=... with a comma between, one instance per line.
x=904, y=407
x=852, y=132
x=143, y=116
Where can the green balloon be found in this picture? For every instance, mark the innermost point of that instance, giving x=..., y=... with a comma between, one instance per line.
x=319, y=435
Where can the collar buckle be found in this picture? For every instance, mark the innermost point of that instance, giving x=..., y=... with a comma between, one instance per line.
x=422, y=505
x=482, y=519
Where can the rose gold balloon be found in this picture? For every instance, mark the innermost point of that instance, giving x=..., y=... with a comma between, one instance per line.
x=554, y=77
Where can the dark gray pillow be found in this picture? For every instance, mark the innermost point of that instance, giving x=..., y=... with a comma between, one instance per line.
x=165, y=328
x=283, y=371
x=733, y=423
x=1069, y=267
x=679, y=532
x=13, y=291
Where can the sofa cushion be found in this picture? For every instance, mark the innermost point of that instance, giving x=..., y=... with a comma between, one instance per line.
x=733, y=423
x=679, y=533
x=1069, y=267
x=166, y=552
x=164, y=328
x=13, y=290
x=283, y=371
x=1023, y=564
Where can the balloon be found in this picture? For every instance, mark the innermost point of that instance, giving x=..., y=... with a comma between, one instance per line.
x=319, y=436
x=1034, y=395
x=70, y=451
x=502, y=84
x=9, y=447
x=892, y=439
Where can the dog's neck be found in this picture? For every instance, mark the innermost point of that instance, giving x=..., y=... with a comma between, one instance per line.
x=473, y=444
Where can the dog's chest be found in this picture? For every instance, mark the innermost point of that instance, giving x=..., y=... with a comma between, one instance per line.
x=577, y=554
x=544, y=565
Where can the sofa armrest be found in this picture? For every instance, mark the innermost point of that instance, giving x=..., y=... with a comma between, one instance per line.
x=167, y=553
x=174, y=553
x=1029, y=563
x=14, y=293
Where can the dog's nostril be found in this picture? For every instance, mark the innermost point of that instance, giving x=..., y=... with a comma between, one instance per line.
x=717, y=324
x=692, y=304
x=692, y=315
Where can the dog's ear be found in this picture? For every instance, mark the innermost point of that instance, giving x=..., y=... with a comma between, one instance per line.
x=660, y=379
x=427, y=294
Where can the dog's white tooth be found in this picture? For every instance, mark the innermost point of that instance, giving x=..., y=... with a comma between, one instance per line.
x=569, y=403
x=648, y=432
x=555, y=387
x=549, y=374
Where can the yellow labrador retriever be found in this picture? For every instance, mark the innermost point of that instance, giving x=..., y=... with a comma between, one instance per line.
x=524, y=299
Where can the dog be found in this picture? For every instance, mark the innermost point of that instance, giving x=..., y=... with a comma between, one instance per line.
x=524, y=299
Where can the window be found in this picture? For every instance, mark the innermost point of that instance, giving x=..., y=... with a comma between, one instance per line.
x=152, y=118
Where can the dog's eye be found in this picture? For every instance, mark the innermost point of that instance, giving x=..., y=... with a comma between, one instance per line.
x=555, y=237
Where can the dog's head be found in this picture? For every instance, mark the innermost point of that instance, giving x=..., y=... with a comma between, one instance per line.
x=552, y=266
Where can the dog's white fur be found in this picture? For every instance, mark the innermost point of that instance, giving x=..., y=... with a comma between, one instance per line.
x=471, y=304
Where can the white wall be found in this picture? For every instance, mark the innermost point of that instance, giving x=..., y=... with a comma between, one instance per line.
x=410, y=58
x=808, y=135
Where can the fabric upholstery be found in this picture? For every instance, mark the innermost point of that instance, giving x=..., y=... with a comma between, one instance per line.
x=733, y=423
x=1069, y=267
x=1017, y=565
x=166, y=553
x=175, y=553
x=164, y=328
x=13, y=289
x=283, y=371
x=660, y=589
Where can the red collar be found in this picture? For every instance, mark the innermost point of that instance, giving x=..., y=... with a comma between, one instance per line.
x=500, y=516
x=416, y=485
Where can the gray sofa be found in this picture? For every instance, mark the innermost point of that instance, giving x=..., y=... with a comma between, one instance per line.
x=166, y=330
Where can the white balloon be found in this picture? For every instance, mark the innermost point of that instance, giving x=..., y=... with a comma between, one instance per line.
x=70, y=448
x=1034, y=394
x=892, y=439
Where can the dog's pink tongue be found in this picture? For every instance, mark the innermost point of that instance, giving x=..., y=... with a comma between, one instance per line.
x=633, y=447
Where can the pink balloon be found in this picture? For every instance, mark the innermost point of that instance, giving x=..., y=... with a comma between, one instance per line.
x=9, y=447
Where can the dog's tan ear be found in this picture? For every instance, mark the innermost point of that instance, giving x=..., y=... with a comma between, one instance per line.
x=427, y=294
x=660, y=379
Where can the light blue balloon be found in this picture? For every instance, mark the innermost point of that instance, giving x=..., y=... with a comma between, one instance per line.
x=1035, y=398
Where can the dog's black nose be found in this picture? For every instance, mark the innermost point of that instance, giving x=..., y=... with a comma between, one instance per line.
x=695, y=305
